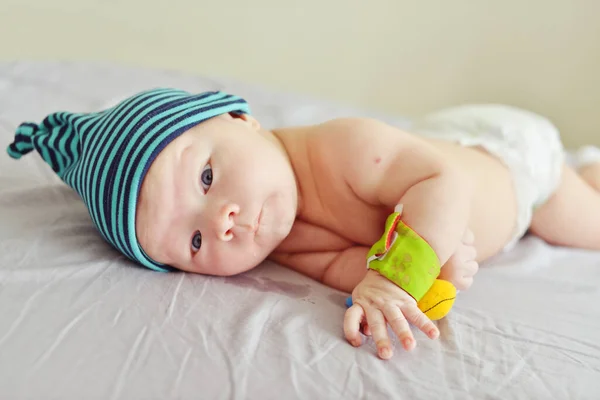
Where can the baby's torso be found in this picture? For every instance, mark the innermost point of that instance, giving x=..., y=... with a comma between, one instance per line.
x=333, y=218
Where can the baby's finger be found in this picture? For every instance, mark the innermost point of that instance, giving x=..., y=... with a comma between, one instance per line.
x=354, y=315
x=469, y=253
x=366, y=330
x=379, y=331
x=469, y=237
x=471, y=268
x=465, y=283
x=400, y=326
x=420, y=320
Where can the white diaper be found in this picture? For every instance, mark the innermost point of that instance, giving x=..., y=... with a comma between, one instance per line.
x=583, y=156
x=528, y=144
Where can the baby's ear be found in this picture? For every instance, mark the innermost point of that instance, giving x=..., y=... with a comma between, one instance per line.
x=246, y=118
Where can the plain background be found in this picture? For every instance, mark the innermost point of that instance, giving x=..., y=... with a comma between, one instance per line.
x=403, y=57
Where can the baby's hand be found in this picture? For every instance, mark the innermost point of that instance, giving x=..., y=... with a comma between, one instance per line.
x=377, y=302
x=462, y=265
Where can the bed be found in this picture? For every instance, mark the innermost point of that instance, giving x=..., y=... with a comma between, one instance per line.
x=78, y=321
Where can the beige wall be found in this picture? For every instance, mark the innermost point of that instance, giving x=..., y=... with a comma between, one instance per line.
x=400, y=56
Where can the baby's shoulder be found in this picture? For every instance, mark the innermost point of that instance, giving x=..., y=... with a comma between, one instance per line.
x=351, y=126
x=352, y=134
x=352, y=131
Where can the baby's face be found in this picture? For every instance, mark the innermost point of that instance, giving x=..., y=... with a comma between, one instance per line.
x=218, y=199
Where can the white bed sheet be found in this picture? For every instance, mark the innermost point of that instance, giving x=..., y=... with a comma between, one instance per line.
x=78, y=321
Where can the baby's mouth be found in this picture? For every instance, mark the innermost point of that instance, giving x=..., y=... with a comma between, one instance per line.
x=254, y=227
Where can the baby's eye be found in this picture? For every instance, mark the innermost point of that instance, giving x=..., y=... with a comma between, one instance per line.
x=196, y=241
x=206, y=177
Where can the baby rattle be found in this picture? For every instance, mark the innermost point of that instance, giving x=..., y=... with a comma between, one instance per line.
x=405, y=258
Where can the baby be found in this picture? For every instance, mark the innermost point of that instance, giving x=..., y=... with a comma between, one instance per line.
x=193, y=182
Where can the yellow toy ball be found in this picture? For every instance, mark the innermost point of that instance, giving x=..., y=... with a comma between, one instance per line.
x=438, y=301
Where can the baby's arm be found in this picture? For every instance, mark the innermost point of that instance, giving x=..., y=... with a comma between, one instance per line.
x=341, y=270
x=387, y=167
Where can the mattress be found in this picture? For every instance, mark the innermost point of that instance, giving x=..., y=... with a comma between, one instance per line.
x=79, y=321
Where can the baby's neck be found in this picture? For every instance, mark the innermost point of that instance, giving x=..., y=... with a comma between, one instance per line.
x=293, y=144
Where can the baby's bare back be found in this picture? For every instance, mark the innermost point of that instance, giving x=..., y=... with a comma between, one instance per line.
x=334, y=223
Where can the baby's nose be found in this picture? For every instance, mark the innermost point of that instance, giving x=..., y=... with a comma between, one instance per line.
x=224, y=221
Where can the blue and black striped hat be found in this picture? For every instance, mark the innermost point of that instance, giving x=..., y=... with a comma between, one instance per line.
x=104, y=156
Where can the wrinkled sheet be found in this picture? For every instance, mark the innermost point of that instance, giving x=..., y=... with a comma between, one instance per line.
x=78, y=321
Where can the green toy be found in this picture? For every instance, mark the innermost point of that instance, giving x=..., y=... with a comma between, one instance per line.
x=405, y=258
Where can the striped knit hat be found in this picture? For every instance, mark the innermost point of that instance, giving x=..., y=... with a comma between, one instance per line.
x=104, y=156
